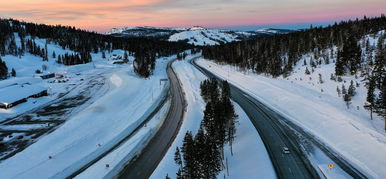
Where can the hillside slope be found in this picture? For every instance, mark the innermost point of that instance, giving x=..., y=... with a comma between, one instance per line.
x=196, y=35
x=204, y=37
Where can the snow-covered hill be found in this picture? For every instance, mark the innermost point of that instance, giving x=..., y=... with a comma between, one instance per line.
x=202, y=37
x=144, y=31
x=196, y=35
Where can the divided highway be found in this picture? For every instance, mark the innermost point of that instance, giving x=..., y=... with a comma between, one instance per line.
x=144, y=165
x=278, y=132
x=290, y=165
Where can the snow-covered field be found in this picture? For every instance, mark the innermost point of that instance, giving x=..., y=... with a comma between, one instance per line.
x=300, y=98
x=93, y=130
x=248, y=148
x=125, y=103
x=204, y=37
x=25, y=68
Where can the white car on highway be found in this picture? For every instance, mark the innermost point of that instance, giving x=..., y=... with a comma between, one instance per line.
x=285, y=150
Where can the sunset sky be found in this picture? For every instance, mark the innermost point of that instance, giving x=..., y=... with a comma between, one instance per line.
x=101, y=15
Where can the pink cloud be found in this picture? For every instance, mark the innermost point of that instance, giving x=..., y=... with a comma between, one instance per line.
x=101, y=15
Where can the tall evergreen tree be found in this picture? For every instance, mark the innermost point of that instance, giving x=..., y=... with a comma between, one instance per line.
x=380, y=65
x=188, y=152
x=45, y=57
x=370, y=96
x=177, y=158
x=349, y=57
x=383, y=99
x=125, y=57
x=3, y=70
x=13, y=72
x=103, y=54
x=347, y=100
x=351, y=89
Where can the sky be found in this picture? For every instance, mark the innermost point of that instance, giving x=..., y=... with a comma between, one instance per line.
x=102, y=15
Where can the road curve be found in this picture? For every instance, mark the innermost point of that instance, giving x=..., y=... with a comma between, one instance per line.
x=277, y=131
x=144, y=164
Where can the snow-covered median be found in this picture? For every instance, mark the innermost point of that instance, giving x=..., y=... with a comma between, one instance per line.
x=321, y=115
x=250, y=158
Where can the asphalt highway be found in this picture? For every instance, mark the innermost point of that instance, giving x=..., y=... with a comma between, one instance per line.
x=144, y=164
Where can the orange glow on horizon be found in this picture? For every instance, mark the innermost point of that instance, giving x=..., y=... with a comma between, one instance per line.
x=102, y=15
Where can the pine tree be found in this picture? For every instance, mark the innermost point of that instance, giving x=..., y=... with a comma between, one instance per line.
x=229, y=113
x=59, y=61
x=381, y=102
x=179, y=174
x=320, y=79
x=307, y=72
x=339, y=66
x=103, y=54
x=313, y=64
x=188, y=152
x=45, y=56
x=370, y=96
x=351, y=90
x=177, y=158
x=53, y=54
x=344, y=91
x=349, y=57
x=383, y=99
x=125, y=57
x=333, y=77
x=347, y=99
x=380, y=64
x=3, y=70
x=13, y=72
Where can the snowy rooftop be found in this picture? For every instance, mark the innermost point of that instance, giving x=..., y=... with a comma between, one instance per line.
x=17, y=92
x=19, y=81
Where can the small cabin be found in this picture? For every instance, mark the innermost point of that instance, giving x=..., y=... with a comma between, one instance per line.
x=119, y=62
x=17, y=94
x=47, y=76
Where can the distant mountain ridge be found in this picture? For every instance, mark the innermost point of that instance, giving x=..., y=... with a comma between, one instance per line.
x=196, y=35
x=274, y=31
x=144, y=31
